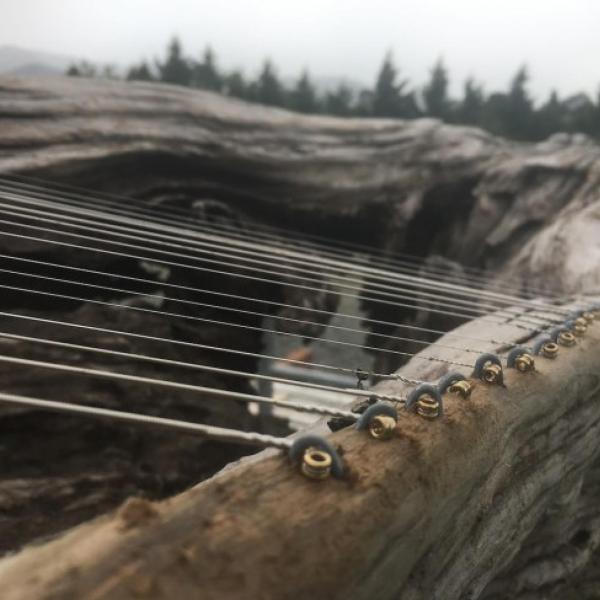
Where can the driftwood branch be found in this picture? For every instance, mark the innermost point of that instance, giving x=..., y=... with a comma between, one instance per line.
x=495, y=500
x=499, y=496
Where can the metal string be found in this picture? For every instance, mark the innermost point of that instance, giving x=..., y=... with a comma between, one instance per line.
x=235, y=250
x=220, y=307
x=455, y=289
x=327, y=313
x=200, y=346
x=177, y=385
x=531, y=320
x=145, y=208
x=226, y=323
x=200, y=367
x=236, y=234
x=212, y=432
x=253, y=238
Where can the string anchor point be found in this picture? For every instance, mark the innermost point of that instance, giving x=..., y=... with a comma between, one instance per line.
x=379, y=420
x=455, y=383
x=426, y=401
x=566, y=338
x=546, y=347
x=578, y=326
x=488, y=368
x=525, y=363
x=521, y=359
x=382, y=427
x=317, y=457
x=316, y=463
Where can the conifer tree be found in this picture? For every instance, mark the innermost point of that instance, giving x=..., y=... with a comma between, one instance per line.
x=176, y=68
x=140, y=72
x=83, y=68
x=205, y=74
x=435, y=93
x=518, y=120
x=303, y=97
x=235, y=85
x=268, y=87
x=550, y=116
x=339, y=102
x=471, y=106
x=389, y=99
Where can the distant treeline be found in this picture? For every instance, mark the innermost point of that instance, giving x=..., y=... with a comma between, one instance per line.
x=509, y=113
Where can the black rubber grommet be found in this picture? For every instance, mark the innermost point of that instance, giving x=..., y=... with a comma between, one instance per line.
x=381, y=408
x=424, y=388
x=515, y=353
x=312, y=440
x=447, y=380
x=481, y=362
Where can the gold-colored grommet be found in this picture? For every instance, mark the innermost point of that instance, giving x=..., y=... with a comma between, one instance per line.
x=382, y=427
x=566, y=338
x=550, y=350
x=461, y=388
x=428, y=407
x=316, y=464
x=579, y=329
x=524, y=363
x=588, y=316
x=491, y=373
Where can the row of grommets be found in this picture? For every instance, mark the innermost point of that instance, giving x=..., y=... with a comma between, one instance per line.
x=318, y=459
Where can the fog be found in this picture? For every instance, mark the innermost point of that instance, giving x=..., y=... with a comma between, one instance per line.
x=558, y=40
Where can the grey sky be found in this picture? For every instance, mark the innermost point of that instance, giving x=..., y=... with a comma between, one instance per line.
x=558, y=40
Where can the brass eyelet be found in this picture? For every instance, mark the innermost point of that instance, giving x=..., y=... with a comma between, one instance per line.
x=566, y=338
x=524, y=363
x=428, y=407
x=461, y=388
x=382, y=427
x=316, y=464
x=550, y=350
x=491, y=373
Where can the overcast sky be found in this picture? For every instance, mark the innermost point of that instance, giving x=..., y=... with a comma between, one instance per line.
x=488, y=39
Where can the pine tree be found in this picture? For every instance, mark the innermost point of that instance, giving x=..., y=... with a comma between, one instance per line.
x=550, y=116
x=435, y=93
x=303, y=97
x=176, y=68
x=471, y=106
x=385, y=96
x=140, y=72
x=205, y=74
x=339, y=102
x=82, y=69
x=388, y=97
x=235, y=85
x=268, y=87
x=518, y=121
x=73, y=71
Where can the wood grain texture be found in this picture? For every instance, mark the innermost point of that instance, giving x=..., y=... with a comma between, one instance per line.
x=514, y=482
x=438, y=512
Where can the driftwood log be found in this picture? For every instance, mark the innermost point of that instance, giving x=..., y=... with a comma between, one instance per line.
x=497, y=499
x=528, y=214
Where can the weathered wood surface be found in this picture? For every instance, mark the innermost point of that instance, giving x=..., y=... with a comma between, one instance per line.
x=528, y=213
x=495, y=500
